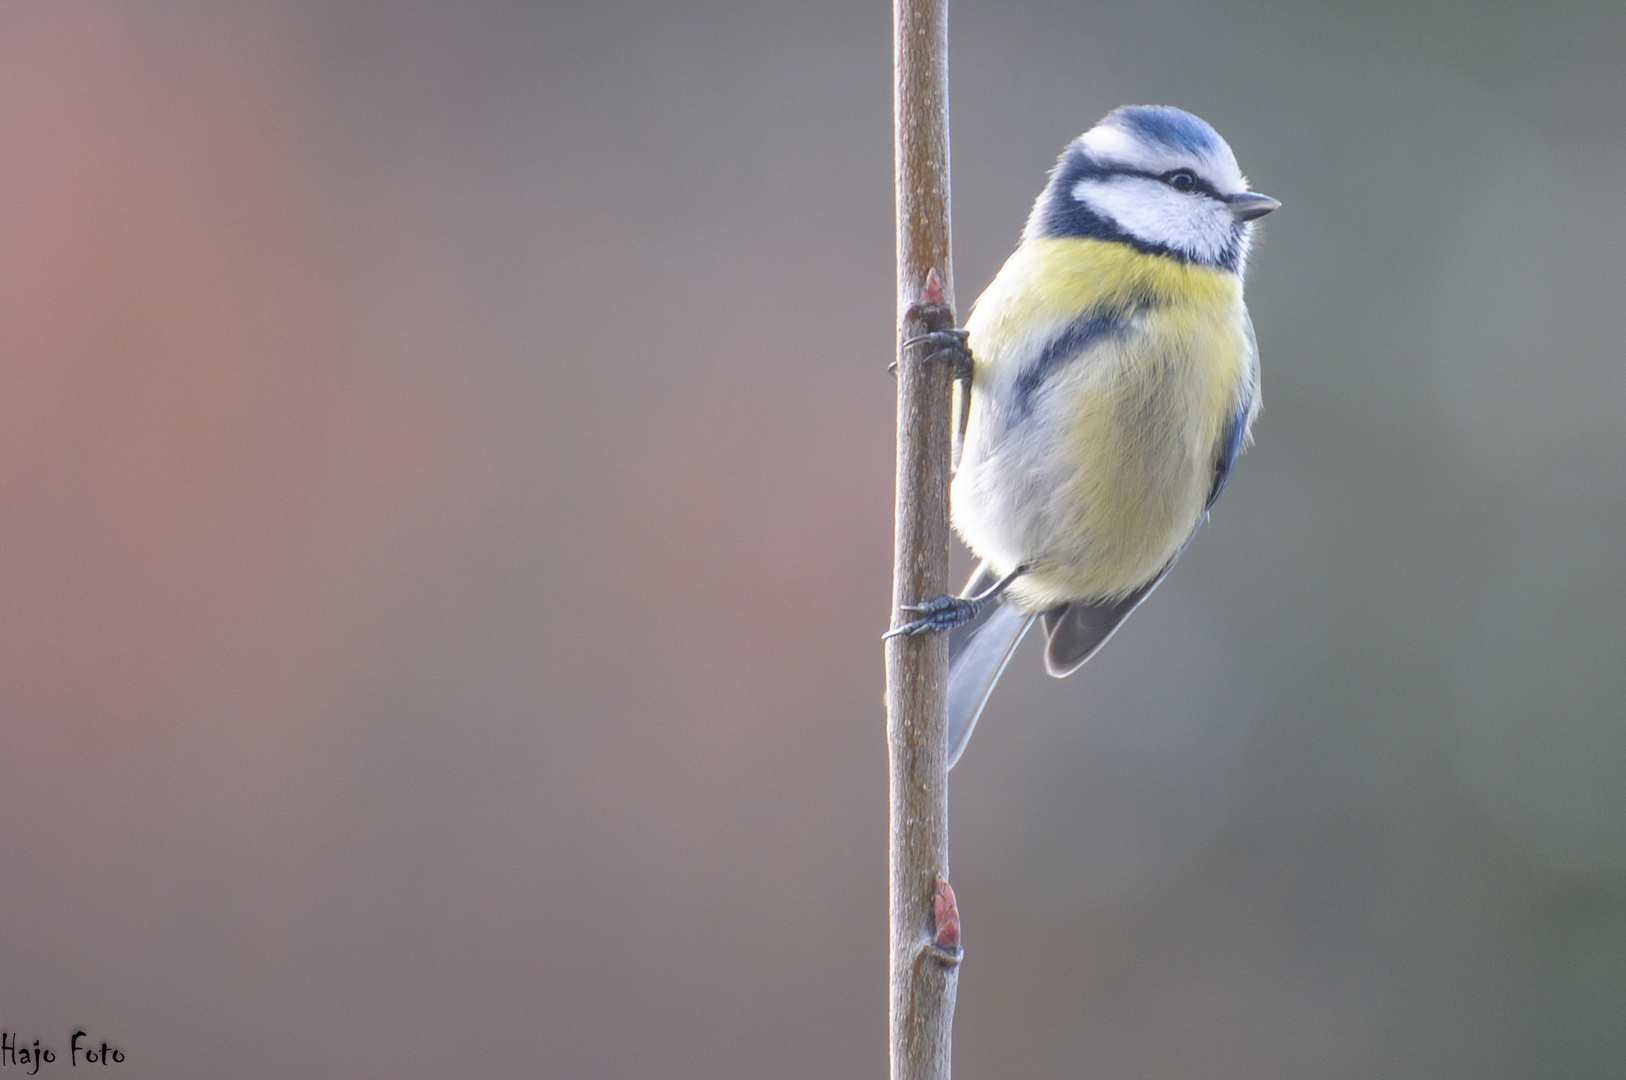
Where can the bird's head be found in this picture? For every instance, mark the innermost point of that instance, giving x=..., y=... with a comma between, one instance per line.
x=1159, y=179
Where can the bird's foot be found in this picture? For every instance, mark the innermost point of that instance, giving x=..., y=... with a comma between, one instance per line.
x=941, y=613
x=947, y=612
x=948, y=347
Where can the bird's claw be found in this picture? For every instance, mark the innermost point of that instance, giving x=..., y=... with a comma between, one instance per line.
x=950, y=347
x=942, y=613
x=953, y=338
x=947, y=612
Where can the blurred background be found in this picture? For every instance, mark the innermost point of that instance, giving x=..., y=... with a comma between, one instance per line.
x=446, y=460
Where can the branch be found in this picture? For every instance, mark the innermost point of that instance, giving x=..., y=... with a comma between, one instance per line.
x=925, y=922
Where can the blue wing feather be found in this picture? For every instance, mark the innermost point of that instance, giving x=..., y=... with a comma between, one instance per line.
x=1229, y=449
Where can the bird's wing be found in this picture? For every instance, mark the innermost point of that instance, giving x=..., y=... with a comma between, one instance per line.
x=978, y=652
x=1237, y=437
x=1077, y=630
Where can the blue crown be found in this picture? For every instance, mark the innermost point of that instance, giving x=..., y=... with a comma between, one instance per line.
x=1174, y=128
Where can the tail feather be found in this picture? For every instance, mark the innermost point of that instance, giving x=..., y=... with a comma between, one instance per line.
x=978, y=653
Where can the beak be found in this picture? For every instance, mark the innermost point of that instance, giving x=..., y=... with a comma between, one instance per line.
x=1250, y=204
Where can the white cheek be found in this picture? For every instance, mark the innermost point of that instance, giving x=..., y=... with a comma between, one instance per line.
x=1157, y=214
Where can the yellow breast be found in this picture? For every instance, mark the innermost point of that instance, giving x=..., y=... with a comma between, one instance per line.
x=1049, y=281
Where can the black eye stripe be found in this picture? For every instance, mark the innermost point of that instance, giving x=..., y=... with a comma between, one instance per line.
x=1192, y=182
x=1199, y=185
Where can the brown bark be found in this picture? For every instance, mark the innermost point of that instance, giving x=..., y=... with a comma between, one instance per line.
x=925, y=955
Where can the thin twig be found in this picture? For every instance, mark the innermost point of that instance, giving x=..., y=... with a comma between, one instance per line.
x=925, y=921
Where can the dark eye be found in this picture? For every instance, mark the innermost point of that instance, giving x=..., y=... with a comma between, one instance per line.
x=1181, y=180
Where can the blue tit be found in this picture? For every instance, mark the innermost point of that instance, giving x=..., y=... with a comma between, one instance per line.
x=1114, y=379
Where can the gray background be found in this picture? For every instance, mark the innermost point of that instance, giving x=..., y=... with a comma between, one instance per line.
x=446, y=462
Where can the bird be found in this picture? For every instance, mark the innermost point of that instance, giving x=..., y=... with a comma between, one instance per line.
x=1111, y=379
